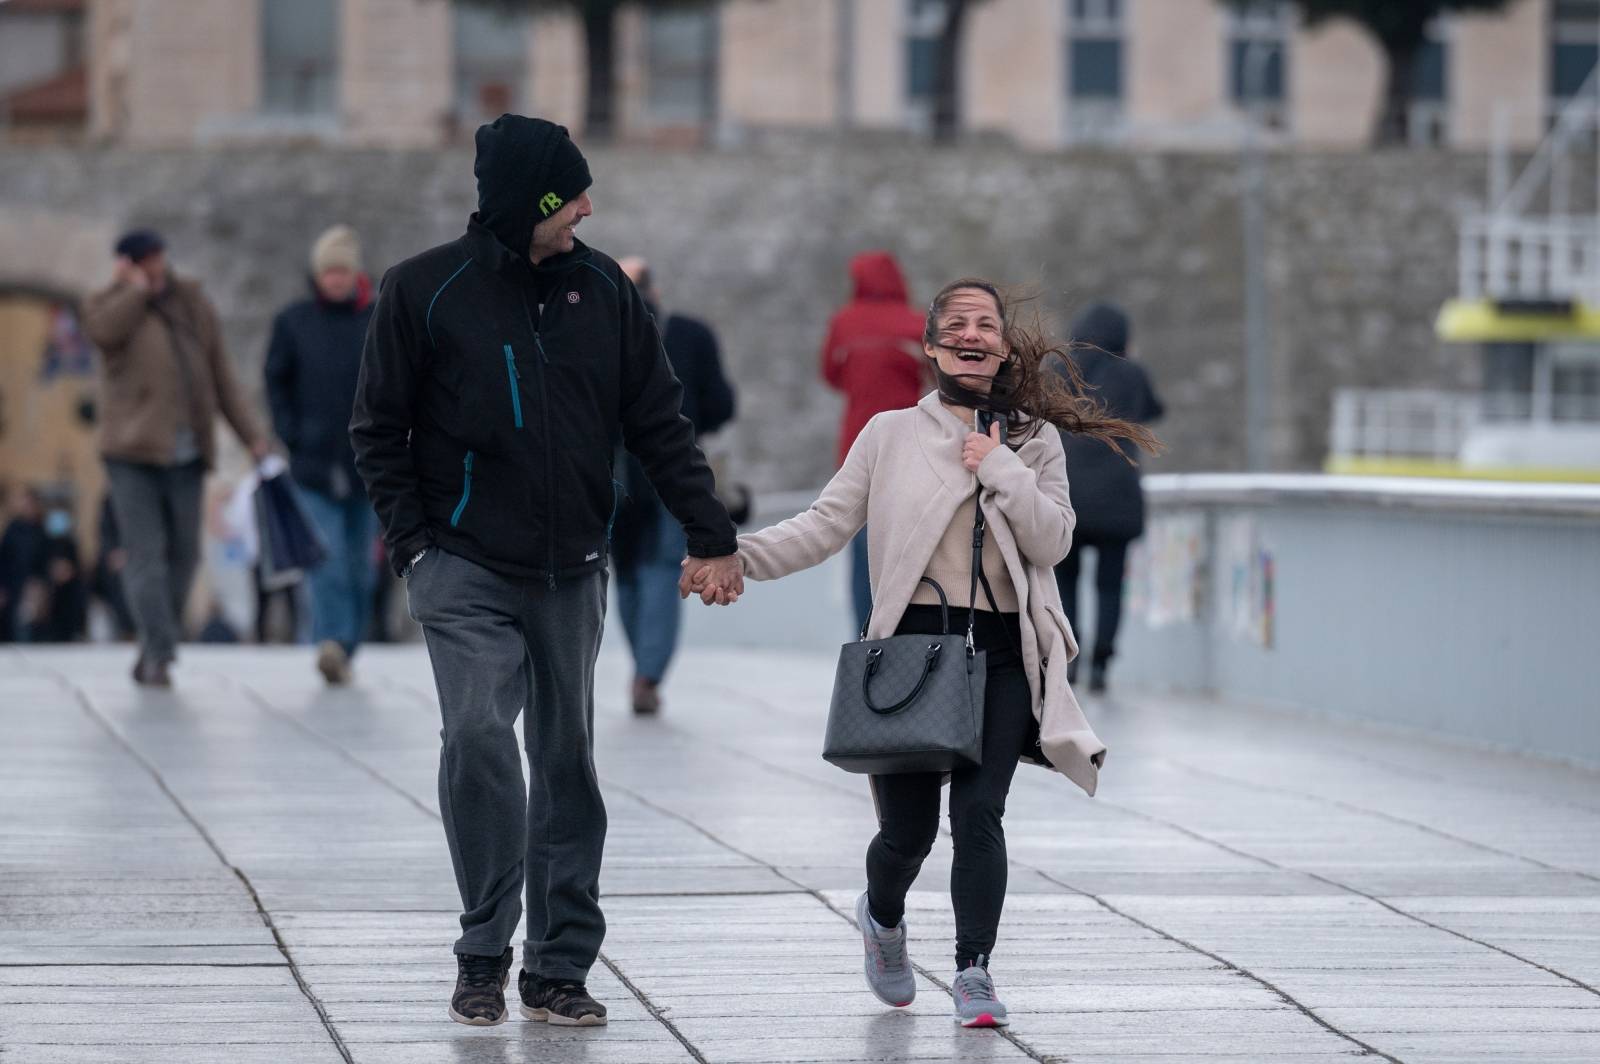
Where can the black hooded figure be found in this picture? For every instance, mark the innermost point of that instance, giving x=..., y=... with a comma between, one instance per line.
x=1105, y=481
x=499, y=373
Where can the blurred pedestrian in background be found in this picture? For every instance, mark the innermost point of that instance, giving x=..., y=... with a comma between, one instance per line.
x=106, y=582
x=22, y=549
x=166, y=376
x=647, y=544
x=1105, y=479
x=311, y=369
x=872, y=354
x=59, y=602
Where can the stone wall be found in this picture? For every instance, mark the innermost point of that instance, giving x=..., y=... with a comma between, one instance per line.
x=1362, y=253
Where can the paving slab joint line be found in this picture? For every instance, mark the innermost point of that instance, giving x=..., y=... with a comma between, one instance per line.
x=339, y=749
x=121, y=740
x=1360, y=810
x=1001, y=1032
x=1198, y=837
x=1357, y=891
x=655, y=1012
x=1282, y=995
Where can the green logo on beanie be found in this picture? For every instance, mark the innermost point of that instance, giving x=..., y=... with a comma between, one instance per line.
x=549, y=203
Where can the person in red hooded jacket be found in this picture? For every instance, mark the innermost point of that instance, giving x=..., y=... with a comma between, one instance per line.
x=873, y=354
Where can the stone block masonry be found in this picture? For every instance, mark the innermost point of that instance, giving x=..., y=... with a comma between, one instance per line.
x=1361, y=254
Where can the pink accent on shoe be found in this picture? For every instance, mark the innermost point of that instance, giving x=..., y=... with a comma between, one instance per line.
x=985, y=1020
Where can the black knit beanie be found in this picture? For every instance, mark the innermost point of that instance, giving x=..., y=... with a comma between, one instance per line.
x=527, y=169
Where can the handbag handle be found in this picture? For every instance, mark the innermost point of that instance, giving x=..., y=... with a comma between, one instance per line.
x=929, y=661
x=944, y=608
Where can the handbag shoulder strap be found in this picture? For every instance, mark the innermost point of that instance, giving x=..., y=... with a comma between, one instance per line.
x=979, y=525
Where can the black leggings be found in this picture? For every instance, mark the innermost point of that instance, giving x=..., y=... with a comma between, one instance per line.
x=908, y=803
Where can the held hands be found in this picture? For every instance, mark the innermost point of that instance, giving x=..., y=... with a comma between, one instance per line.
x=978, y=446
x=718, y=581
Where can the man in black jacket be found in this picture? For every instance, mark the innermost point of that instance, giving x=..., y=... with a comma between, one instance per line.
x=499, y=372
x=311, y=369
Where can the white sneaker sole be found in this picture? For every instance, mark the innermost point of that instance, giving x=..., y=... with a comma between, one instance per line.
x=987, y=1019
x=454, y=1015
x=557, y=1020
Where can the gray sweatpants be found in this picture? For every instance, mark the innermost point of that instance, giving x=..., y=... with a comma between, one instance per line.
x=500, y=645
x=158, y=517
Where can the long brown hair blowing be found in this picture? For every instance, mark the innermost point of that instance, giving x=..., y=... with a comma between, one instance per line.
x=1038, y=381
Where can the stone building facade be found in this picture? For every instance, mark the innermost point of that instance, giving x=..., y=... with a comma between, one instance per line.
x=1144, y=73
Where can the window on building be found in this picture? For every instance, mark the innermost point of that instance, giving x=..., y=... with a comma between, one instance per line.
x=1094, y=69
x=1258, y=57
x=1574, y=46
x=43, y=78
x=1430, y=90
x=924, y=22
x=491, y=62
x=300, y=56
x=681, y=57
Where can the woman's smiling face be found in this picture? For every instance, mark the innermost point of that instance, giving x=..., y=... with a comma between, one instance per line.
x=971, y=338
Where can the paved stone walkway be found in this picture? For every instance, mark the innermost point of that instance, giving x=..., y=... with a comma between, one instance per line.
x=251, y=870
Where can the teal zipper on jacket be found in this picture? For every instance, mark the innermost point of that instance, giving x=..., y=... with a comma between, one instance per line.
x=513, y=375
x=466, y=490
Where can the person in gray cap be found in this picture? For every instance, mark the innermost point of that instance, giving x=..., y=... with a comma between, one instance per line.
x=1106, y=493
x=498, y=373
x=166, y=377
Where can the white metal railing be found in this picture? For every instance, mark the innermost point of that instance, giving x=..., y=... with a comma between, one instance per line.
x=1401, y=423
x=1434, y=425
x=1539, y=236
x=1531, y=258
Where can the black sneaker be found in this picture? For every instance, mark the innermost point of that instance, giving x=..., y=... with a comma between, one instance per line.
x=559, y=1001
x=480, y=997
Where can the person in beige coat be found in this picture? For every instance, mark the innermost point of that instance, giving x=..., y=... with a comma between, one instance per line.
x=915, y=478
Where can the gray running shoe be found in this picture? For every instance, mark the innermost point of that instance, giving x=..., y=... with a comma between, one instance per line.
x=887, y=966
x=976, y=1005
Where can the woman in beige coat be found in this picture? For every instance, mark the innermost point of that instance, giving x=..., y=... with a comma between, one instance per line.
x=915, y=478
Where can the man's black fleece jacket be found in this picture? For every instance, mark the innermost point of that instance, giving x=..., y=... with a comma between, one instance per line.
x=491, y=398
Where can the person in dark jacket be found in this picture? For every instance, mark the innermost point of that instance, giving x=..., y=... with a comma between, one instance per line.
x=647, y=544
x=62, y=607
x=312, y=364
x=1105, y=481
x=498, y=373
x=873, y=354
x=22, y=552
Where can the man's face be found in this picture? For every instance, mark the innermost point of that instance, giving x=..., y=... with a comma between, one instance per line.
x=154, y=268
x=554, y=235
x=336, y=284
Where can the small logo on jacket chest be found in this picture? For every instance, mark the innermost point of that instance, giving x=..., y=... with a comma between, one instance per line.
x=572, y=297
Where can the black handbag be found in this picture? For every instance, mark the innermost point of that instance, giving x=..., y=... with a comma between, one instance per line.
x=911, y=703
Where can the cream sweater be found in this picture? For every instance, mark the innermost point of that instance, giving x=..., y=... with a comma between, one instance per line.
x=904, y=480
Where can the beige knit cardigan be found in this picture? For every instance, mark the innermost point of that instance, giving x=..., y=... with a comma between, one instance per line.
x=904, y=480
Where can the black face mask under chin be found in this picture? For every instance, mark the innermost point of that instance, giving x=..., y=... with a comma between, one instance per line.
x=999, y=398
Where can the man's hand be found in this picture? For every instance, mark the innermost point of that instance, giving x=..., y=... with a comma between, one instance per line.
x=126, y=271
x=978, y=446
x=718, y=581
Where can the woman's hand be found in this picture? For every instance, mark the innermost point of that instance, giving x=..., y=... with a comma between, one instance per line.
x=978, y=446
x=718, y=581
